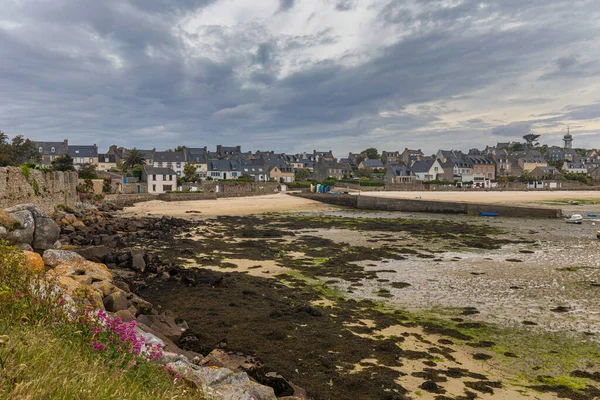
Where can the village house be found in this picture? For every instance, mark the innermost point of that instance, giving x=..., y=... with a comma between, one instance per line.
x=121, y=155
x=257, y=171
x=284, y=174
x=391, y=157
x=529, y=164
x=159, y=180
x=483, y=166
x=503, y=163
x=197, y=156
x=575, y=168
x=107, y=162
x=398, y=174
x=50, y=150
x=323, y=155
x=170, y=159
x=330, y=169
x=83, y=155
x=223, y=169
x=224, y=151
x=409, y=156
x=371, y=164
x=543, y=173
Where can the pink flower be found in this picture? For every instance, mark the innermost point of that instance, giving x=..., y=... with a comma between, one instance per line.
x=62, y=301
x=98, y=346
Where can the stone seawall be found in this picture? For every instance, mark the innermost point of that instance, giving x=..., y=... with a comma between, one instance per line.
x=428, y=206
x=44, y=189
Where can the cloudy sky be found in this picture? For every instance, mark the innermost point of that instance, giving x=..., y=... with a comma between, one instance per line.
x=295, y=75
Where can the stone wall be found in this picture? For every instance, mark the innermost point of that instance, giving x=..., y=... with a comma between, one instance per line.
x=428, y=206
x=44, y=189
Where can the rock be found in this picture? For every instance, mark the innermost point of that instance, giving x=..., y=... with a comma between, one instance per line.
x=46, y=233
x=57, y=245
x=3, y=232
x=78, y=224
x=137, y=260
x=34, y=261
x=24, y=247
x=73, y=289
x=32, y=208
x=95, y=253
x=104, y=287
x=116, y=301
x=53, y=258
x=125, y=315
x=162, y=323
x=25, y=233
x=141, y=305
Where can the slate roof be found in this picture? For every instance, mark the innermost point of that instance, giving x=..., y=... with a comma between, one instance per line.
x=59, y=147
x=107, y=158
x=223, y=165
x=169, y=156
x=422, y=166
x=83, y=151
x=159, y=171
x=480, y=160
x=402, y=170
x=372, y=163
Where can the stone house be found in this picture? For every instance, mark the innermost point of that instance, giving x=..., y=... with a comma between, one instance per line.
x=409, y=156
x=575, y=167
x=330, y=169
x=51, y=150
x=529, y=164
x=198, y=157
x=391, y=156
x=159, y=180
x=283, y=174
x=398, y=174
x=224, y=151
x=542, y=173
x=257, y=171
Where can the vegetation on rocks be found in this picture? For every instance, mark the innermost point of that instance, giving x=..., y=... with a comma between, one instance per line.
x=51, y=347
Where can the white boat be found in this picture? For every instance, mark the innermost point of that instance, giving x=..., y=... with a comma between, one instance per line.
x=574, y=219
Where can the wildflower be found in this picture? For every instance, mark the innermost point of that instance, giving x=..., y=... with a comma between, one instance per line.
x=62, y=301
x=98, y=346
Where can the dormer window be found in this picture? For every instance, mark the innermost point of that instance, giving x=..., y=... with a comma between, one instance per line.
x=41, y=150
x=53, y=150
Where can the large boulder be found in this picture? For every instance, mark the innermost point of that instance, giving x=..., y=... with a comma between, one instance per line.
x=33, y=261
x=46, y=233
x=137, y=260
x=163, y=324
x=95, y=253
x=24, y=234
x=32, y=208
x=53, y=258
x=116, y=301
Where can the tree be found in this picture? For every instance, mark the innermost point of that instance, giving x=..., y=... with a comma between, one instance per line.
x=178, y=148
x=18, y=151
x=530, y=138
x=63, y=163
x=24, y=151
x=87, y=171
x=189, y=172
x=371, y=153
x=134, y=157
x=302, y=174
x=518, y=147
x=558, y=164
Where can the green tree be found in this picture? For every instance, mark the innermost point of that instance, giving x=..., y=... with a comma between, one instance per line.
x=189, y=172
x=134, y=157
x=63, y=163
x=18, y=151
x=87, y=171
x=178, y=148
x=559, y=164
x=371, y=153
x=530, y=138
x=302, y=174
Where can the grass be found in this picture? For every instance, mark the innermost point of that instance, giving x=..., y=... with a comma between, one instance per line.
x=41, y=364
x=48, y=351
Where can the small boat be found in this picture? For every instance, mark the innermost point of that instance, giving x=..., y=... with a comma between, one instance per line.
x=488, y=214
x=592, y=215
x=574, y=219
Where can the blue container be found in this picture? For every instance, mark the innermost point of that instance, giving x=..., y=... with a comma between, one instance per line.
x=488, y=214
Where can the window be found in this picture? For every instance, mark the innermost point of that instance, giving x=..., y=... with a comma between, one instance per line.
x=170, y=177
x=154, y=188
x=91, y=160
x=53, y=150
x=164, y=177
x=41, y=150
x=153, y=177
x=178, y=165
x=167, y=187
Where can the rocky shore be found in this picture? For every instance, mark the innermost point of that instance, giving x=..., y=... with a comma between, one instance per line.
x=265, y=308
x=105, y=273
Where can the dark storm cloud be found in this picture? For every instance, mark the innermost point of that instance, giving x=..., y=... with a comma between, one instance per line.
x=118, y=72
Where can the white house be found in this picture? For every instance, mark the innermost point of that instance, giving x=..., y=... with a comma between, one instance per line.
x=160, y=180
x=170, y=159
